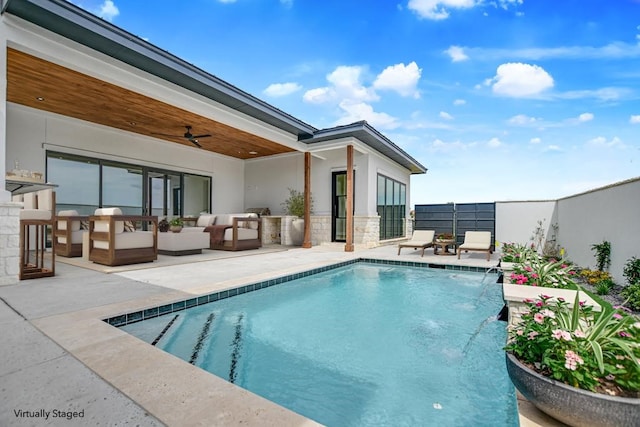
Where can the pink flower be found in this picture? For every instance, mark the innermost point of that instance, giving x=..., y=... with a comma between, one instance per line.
x=532, y=335
x=572, y=359
x=579, y=334
x=624, y=334
x=534, y=275
x=560, y=334
x=520, y=332
x=538, y=317
x=527, y=268
x=548, y=313
x=617, y=316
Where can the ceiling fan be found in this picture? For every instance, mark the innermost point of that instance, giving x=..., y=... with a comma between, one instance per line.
x=189, y=136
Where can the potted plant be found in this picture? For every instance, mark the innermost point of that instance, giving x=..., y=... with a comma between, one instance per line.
x=176, y=224
x=444, y=237
x=579, y=366
x=294, y=206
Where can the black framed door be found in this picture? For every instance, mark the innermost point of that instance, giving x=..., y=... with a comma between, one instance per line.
x=339, y=205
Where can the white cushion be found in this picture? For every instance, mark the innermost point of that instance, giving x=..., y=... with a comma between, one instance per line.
x=62, y=225
x=243, y=234
x=76, y=237
x=139, y=239
x=205, y=220
x=45, y=199
x=35, y=214
x=191, y=230
x=479, y=240
x=103, y=226
x=29, y=200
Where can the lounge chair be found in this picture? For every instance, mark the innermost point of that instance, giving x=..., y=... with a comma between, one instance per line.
x=479, y=241
x=421, y=239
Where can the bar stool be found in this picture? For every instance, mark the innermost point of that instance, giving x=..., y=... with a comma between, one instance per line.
x=35, y=218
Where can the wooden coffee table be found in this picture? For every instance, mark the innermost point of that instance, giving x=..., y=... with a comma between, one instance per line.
x=444, y=247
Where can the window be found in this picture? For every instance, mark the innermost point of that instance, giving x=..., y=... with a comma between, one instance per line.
x=392, y=200
x=85, y=184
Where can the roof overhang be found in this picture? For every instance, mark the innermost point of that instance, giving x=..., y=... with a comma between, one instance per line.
x=371, y=137
x=72, y=22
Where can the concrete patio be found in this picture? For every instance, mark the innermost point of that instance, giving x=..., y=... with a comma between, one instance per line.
x=58, y=355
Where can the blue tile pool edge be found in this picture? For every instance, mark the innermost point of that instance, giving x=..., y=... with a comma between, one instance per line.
x=149, y=313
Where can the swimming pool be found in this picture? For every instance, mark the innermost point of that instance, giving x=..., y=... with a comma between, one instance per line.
x=357, y=345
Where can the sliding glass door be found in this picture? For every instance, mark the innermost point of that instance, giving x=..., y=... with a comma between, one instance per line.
x=85, y=184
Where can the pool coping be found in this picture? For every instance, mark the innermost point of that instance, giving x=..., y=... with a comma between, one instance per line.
x=170, y=389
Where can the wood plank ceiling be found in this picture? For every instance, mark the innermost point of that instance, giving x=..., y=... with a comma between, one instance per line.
x=40, y=84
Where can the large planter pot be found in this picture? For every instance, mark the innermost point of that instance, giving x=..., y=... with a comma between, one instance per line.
x=572, y=406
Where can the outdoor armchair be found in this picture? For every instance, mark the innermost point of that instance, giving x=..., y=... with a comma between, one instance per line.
x=111, y=243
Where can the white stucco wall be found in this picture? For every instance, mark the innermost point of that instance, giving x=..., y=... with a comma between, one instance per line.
x=610, y=213
x=517, y=221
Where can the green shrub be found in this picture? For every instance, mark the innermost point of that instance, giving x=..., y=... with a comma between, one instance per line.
x=603, y=287
x=632, y=295
x=631, y=271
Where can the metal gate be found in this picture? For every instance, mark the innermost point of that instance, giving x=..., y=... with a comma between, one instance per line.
x=457, y=219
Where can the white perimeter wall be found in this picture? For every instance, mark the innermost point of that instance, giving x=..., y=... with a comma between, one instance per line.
x=612, y=214
x=516, y=221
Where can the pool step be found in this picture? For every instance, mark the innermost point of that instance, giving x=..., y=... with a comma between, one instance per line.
x=204, y=333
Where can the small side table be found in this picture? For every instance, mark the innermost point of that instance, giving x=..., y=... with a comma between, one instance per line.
x=444, y=247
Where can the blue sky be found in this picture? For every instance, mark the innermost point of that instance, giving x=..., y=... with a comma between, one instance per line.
x=500, y=100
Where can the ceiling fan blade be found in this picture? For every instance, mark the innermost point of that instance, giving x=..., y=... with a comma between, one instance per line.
x=195, y=142
x=206, y=135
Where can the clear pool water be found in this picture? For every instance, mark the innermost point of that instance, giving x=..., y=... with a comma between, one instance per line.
x=362, y=345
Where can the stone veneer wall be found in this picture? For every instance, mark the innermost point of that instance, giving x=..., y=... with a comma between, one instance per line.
x=366, y=230
x=9, y=242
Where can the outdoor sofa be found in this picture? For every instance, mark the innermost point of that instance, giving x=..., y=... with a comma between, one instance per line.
x=235, y=232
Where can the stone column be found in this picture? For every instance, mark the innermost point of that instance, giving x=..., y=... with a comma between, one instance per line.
x=9, y=211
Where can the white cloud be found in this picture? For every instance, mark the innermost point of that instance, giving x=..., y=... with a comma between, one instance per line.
x=345, y=84
x=585, y=117
x=634, y=120
x=535, y=140
x=522, y=120
x=438, y=9
x=601, y=141
x=286, y=3
x=494, y=143
x=603, y=94
x=553, y=148
x=281, y=89
x=445, y=115
x=459, y=102
x=227, y=1
x=107, y=11
x=638, y=35
x=400, y=78
x=456, y=53
x=358, y=111
x=521, y=80
x=615, y=50
x=449, y=147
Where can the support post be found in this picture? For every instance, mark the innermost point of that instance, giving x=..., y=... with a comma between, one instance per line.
x=348, y=247
x=306, y=240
